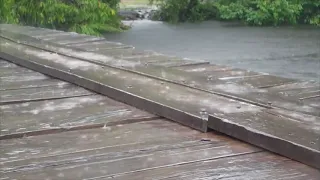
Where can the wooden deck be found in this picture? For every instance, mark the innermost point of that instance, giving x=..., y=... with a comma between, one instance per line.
x=51, y=129
x=61, y=131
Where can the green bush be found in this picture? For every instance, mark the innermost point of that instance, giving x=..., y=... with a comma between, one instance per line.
x=112, y=3
x=261, y=12
x=184, y=10
x=83, y=16
x=252, y=12
x=310, y=13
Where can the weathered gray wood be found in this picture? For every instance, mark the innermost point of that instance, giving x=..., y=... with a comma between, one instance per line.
x=313, y=102
x=9, y=71
x=301, y=90
x=41, y=93
x=29, y=80
x=114, y=150
x=99, y=45
x=135, y=152
x=262, y=81
x=287, y=133
x=77, y=68
x=113, y=137
x=74, y=39
x=64, y=114
x=204, y=69
x=257, y=166
x=5, y=64
x=217, y=71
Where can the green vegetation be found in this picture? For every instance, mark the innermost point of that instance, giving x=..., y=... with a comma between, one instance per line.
x=83, y=16
x=252, y=12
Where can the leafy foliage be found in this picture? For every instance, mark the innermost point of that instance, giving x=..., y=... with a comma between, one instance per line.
x=82, y=16
x=112, y=3
x=261, y=12
x=7, y=13
x=184, y=10
x=252, y=12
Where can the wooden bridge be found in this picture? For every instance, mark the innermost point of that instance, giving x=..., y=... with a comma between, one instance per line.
x=81, y=107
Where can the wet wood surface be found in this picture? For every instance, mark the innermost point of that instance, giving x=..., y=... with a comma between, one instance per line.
x=70, y=132
x=89, y=69
x=41, y=93
x=134, y=151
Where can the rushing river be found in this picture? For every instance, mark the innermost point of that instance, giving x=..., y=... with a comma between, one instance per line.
x=285, y=51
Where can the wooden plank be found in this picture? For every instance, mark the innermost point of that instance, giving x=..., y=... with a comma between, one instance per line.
x=51, y=35
x=104, y=157
x=261, y=81
x=44, y=116
x=27, y=30
x=75, y=39
x=220, y=74
x=294, y=87
x=99, y=45
x=151, y=58
x=123, y=53
x=204, y=69
x=5, y=64
x=313, y=102
x=294, y=138
x=28, y=77
x=42, y=93
x=29, y=80
x=302, y=90
x=60, y=36
x=177, y=63
x=16, y=28
x=8, y=71
x=113, y=137
x=258, y=166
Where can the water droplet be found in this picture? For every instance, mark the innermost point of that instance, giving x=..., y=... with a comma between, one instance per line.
x=209, y=78
x=105, y=127
x=204, y=114
x=313, y=143
x=162, y=82
x=238, y=107
x=129, y=87
x=24, y=136
x=301, y=101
